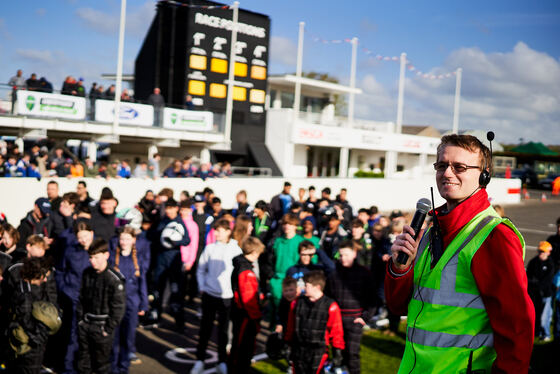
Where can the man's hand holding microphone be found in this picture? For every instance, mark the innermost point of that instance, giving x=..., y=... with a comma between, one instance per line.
x=405, y=246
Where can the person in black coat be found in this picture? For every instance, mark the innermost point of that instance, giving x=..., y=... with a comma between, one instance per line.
x=36, y=222
x=24, y=293
x=540, y=274
x=350, y=286
x=100, y=309
x=103, y=215
x=554, y=240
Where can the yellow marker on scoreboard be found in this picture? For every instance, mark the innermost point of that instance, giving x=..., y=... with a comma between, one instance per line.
x=240, y=69
x=239, y=93
x=257, y=96
x=197, y=62
x=258, y=72
x=218, y=65
x=218, y=90
x=197, y=88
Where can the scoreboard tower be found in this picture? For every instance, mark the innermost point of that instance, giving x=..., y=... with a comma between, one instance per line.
x=187, y=51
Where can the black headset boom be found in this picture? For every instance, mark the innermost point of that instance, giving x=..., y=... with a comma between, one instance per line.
x=485, y=176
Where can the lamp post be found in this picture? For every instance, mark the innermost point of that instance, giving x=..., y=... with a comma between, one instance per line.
x=457, y=101
x=231, y=75
x=118, y=87
x=297, y=93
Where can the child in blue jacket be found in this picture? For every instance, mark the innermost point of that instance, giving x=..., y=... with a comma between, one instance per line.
x=124, y=258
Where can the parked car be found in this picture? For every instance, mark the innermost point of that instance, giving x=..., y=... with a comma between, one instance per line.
x=546, y=183
x=528, y=177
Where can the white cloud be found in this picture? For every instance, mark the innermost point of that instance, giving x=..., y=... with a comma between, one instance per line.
x=40, y=12
x=283, y=51
x=35, y=55
x=516, y=94
x=4, y=33
x=137, y=21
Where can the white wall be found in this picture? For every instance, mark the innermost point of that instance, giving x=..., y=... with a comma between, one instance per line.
x=278, y=131
x=300, y=161
x=19, y=194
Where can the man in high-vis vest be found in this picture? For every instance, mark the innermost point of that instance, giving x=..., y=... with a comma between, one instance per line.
x=468, y=307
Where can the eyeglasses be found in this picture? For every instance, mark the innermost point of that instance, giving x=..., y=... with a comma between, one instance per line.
x=456, y=167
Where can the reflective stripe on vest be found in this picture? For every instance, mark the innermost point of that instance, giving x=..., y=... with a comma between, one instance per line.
x=447, y=295
x=443, y=340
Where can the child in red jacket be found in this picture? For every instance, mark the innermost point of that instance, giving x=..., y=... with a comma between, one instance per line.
x=314, y=324
x=246, y=311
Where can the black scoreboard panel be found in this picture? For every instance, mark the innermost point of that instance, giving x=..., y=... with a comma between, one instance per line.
x=187, y=52
x=208, y=55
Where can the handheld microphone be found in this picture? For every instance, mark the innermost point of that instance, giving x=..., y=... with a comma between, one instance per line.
x=423, y=206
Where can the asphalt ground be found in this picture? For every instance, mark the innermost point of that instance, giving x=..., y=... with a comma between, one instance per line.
x=164, y=350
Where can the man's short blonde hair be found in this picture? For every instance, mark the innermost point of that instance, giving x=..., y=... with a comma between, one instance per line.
x=469, y=143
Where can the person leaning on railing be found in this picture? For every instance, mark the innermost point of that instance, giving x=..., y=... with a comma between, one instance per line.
x=18, y=83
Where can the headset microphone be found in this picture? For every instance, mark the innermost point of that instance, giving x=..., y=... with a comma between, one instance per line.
x=485, y=176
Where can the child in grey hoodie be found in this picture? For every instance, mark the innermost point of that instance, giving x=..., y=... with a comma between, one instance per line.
x=214, y=282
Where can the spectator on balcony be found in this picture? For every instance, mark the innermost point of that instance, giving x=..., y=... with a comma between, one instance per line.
x=2, y=165
x=189, y=170
x=11, y=169
x=158, y=102
x=42, y=160
x=45, y=85
x=76, y=168
x=18, y=83
x=110, y=93
x=94, y=94
x=153, y=166
x=90, y=171
x=33, y=83
x=32, y=171
x=69, y=86
x=102, y=171
x=217, y=170
x=175, y=170
x=112, y=169
x=123, y=170
x=226, y=169
x=57, y=157
x=23, y=162
x=63, y=170
x=141, y=170
x=189, y=105
x=80, y=89
x=125, y=96
x=204, y=171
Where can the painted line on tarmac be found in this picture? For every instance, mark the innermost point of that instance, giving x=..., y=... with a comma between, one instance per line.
x=533, y=231
x=173, y=355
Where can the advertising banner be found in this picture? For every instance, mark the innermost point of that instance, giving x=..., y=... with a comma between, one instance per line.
x=42, y=104
x=130, y=113
x=328, y=136
x=177, y=119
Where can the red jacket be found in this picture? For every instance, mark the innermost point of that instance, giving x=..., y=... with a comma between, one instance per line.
x=245, y=285
x=500, y=276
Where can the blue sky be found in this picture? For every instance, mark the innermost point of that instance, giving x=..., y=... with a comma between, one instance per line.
x=509, y=52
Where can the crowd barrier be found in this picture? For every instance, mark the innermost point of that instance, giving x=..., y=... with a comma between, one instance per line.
x=54, y=105
x=19, y=194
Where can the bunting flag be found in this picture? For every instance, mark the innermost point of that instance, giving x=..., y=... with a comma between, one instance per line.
x=177, y=3
x=418, y=73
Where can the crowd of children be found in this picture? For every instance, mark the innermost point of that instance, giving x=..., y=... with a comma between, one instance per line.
x=311, y=266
